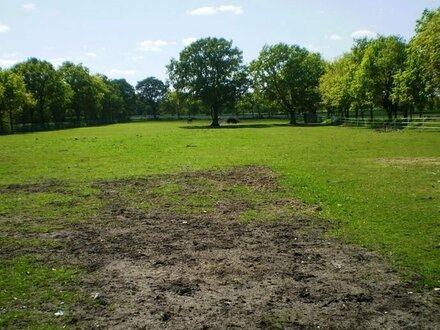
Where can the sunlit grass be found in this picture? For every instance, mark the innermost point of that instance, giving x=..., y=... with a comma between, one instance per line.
x=392, y=207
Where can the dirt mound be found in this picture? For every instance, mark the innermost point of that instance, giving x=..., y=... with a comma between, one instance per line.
x=179, y=252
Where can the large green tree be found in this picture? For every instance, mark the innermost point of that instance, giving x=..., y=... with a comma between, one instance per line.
x=46, y=87
x=152, y=91
x=13, y=97
x=128, y=94
x=419, y=82
x=289, y=75
x=212, y=71
x=335, y=85
x=88, y=91
x=374, y=78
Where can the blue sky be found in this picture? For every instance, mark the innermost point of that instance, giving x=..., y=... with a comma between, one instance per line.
x=135, y=39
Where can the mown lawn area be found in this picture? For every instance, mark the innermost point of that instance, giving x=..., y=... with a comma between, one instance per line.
x=381, y=189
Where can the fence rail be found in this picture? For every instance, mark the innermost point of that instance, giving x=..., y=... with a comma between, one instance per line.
x=428, y=123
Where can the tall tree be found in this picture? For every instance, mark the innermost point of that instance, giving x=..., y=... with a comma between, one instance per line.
x=335, y=85
x=113, y=109
x=210, y=70
x=374, y=79
x=128, y=95
x=419, y=81
x=43, y=82
x=152, y=91
x=88, y=90
x=290, y=76
x=13, y=97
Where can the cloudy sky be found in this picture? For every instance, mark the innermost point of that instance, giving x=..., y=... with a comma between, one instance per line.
x=135, y=39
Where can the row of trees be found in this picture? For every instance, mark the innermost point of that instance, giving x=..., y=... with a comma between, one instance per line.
x=34, y=92
x=387, y=73
x=209, y=75
x=383, y=73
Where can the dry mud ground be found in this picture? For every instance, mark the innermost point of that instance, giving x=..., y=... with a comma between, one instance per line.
x=211, y=250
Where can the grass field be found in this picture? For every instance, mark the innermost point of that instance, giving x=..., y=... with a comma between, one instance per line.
x=382, y=190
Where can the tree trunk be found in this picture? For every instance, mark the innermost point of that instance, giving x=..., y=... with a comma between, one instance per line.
x=11, y=121
x=292, y=117
x=214, y=115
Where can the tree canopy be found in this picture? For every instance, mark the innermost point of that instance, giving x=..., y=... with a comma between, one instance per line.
x=212, y=71
x=152, y=91
x=290, y=76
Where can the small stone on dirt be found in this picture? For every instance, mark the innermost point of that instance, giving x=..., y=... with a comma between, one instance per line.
x=59, y=313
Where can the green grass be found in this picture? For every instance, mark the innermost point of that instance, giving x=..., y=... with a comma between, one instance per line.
x=31, y=294
x=365, y=180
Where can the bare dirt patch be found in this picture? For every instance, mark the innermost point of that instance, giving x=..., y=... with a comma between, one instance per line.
x=179, y=252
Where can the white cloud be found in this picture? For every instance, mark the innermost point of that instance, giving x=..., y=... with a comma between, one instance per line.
x=29, y=6
x=335, y=37
x=230, y=9
x=188, y=41
x=4, y=28
x=207, y=11
x=153, y=45
x=118, y=73
x=8, y=61
x=203, y=11
x=363, y=34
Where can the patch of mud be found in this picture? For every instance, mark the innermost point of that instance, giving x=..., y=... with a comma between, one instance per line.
x=49, y=186
x=423, y=161
x=151, y=267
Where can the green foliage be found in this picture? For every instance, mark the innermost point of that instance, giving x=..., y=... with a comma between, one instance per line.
x=13, y=97
x=47, y=89
x=335, y=85
x=290, y=76
x=152, y=91
x=374, y=78
x=210, y=70
x=419, y=82
x=128, y=95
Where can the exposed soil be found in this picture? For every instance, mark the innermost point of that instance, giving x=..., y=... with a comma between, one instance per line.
x=196, y=251
x=156, y=269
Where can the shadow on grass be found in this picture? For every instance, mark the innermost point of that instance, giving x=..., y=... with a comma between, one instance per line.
x=240, y=126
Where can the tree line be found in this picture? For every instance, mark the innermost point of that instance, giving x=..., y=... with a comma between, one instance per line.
x=209, y=76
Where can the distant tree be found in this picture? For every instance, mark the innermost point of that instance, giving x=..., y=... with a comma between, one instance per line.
x=113, y=109
x=289, y=75
x=88, y=90
x=13, y=97
x=212, y=71
x=128, y=95
x=152, y=91
x=419, y=82
x=335, y=85
x=46, y=87
x=374, y=78
x=175, y=103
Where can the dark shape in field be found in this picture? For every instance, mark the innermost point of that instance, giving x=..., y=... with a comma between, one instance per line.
x=232, y=121
x=190, y=120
